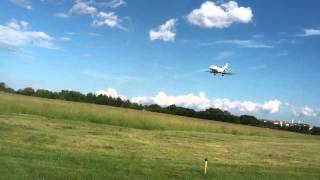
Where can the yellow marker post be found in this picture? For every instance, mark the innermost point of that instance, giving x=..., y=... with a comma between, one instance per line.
x=205, y=165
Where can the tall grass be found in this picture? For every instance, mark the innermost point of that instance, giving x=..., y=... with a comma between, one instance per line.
x=57, y=109
x=53, y=139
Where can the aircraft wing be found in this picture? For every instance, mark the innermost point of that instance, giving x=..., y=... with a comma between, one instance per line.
x=205, y=70
x=227, y=73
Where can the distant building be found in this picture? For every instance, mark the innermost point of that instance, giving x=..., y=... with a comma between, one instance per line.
x=276, y=123
x=283, y=123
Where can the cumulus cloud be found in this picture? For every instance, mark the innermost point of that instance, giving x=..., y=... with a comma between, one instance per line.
x=165, y=32
x=111, y=92
x=304, y=112
x=212, y=15
x=201, y=102
x=106, y=19
x=307, y=111
x=111, y=4
x=271, y=106
x=22, y=3
x=191, y=101
x=87, y=8
x=117, y=3
x=82, y=8
x=15, y=34
x=311, y=32
x=141, y=100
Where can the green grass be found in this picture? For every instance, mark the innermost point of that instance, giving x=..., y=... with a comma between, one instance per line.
x=52, y=139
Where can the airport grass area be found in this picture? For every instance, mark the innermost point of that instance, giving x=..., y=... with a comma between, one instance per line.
x=54, y=139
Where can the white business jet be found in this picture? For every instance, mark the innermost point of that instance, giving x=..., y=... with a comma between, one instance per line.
x=214, y=69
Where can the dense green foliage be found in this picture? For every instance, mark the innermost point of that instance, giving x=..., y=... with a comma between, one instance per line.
x=210, y=114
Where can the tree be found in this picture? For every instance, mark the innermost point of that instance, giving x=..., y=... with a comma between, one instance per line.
x=248, y=120
x=91, y=98
x=153, y=108
x=72, y=96
x=315, y=130
x=214, y=111
x=26, y=91
x=45, y=94
x=2, y=86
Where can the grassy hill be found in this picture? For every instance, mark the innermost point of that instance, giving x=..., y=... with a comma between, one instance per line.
x=53, y=139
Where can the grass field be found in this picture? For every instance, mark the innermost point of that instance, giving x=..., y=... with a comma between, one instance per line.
x=52, y=139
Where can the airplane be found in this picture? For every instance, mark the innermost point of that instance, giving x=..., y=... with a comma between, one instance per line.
x=214, y=69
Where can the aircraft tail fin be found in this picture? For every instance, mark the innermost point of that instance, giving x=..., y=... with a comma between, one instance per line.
x=225, y=67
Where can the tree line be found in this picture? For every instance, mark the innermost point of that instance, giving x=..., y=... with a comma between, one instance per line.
x=209, y=114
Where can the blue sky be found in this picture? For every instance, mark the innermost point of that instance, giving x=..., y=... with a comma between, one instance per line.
x=155, y=52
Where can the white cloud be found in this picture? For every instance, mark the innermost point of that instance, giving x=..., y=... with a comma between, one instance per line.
x=15, y=34
x=271, y=106
x=82, y=8
x=311, y=32
x=117, y=3
x=189, y=101
x=111, y=92
x=141, y=100
x=106, y=19
x=112, y=3
x=201, y=102
x=212, y=15
x=246, y=43
x=22, y=3
x=165, y=32
x=307, y=111
x=99, y=19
